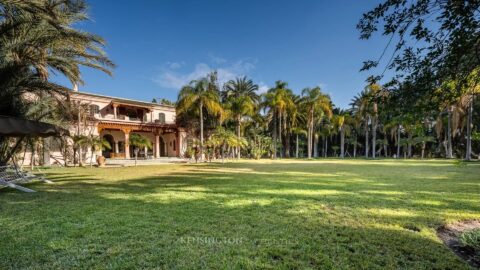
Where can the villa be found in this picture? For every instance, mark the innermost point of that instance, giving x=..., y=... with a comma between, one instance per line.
x=114, y=119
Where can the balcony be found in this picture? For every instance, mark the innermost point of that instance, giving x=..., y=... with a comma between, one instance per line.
x=130, y=119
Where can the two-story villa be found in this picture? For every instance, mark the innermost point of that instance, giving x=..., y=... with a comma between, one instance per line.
x=114, y=119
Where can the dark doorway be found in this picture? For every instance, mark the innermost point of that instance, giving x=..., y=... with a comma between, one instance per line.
x=108, y=152
x=162, y=147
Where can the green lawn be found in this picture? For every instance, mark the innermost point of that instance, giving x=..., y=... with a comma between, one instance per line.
x=327, y=214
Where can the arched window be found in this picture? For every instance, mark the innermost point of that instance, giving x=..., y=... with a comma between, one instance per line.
x=161, y=118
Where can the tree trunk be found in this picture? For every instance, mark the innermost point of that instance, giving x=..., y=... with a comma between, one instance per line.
x=449, y=134
x=410, y=144
x=355, y=147
x=423, y=149
x=238, y=136
x=287, y=144
x=315, y=146
x=326, y=147
x=201, y=131
x=310, y=135
x=223, y=153
x=296, y=147
x=280, y=133
x=274, y=136
x=385, y=145
x=398, y=142
x=80, y=150
x=468, y=152
x=366, y=138
x=342, y=143
x=91, y=158
x=32, y=157
x=374, y=137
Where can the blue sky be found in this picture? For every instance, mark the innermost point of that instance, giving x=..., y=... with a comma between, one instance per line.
x=160, y=45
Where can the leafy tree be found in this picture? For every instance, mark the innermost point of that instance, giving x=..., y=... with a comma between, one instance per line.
x=241, y=99
x=200, y=94
x=38, y=38
x=316, y=104
x=278, y=100
x=96, y=143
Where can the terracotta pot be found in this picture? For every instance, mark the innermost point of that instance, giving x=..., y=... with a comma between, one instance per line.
x=101, y=161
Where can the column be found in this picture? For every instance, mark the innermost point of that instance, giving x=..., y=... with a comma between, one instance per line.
x=116, y=147
x=127, y=143
x=157, y=145
x=115, y=111
x=177, y=143
x=180, y=143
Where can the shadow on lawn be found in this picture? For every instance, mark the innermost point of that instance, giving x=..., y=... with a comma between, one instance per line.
x=341, y=220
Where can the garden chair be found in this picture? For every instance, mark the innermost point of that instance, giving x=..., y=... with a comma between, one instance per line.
x=12, y=176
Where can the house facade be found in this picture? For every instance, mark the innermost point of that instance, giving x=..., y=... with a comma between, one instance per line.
x=115, y=119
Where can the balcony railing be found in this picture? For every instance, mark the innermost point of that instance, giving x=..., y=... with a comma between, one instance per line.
x=125, y=118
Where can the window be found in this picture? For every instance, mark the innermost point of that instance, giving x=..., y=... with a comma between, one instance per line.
x=174, y=145
x=161, y=118
x=94, y=109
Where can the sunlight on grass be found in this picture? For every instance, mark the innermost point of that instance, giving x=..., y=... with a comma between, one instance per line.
x=278, y=214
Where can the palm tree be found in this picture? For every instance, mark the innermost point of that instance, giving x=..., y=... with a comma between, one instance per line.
x=374, y=90
x=223, y=138
x=78, y=143
x=278, y=99
x=139, y=142
x=341, y=122
x=314, y=102
x=200, y=94
x=361, y=110
x=241, y=99
x=298, y=131
x=96, y=143
x=37, y=38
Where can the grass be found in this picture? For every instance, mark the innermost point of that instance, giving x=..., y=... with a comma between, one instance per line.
x=328, y=214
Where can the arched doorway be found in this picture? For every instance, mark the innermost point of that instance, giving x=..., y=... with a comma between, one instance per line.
x=162, y=147
x=107, y=152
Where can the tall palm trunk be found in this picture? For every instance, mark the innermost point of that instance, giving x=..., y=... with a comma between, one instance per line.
x=398, y=142
x=366, y=137
x=201, y=131
x=374, y=137
x=296, y=147
x=91, y=158
x=326, y=147
x=280, y=133
x=315, y=146
x=310, y=135
x=468, y=152
x=274, y=136
x=342, y=143
x=32, y=157
x=223, y=153
x=449, y=134
x=410, y=144
x=287, y=144
x=423, y=149
x=355, y=147
x=79, y=129
x=238, y=136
